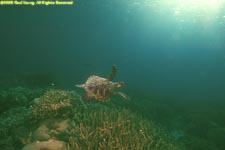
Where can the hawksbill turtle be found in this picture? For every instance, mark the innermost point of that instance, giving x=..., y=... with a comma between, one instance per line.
x=100, y=88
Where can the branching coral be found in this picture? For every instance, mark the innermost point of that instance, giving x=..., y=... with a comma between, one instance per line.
x=56, y=103
x=116, y=129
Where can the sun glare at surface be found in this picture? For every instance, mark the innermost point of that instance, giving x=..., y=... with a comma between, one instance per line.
x=201, y=5
x=203, y=14
x=183, y=7
x=206, y=11
x=211, y=3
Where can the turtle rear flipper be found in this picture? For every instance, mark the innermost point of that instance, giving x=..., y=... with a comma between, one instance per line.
x=122, y=95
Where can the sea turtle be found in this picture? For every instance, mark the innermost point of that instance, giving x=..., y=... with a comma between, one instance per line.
x=100, y=88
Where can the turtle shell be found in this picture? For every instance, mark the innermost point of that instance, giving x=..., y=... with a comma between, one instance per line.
x=98, y=88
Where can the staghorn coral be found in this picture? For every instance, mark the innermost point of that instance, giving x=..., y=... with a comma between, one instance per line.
x=56, y=103
x=117, y=129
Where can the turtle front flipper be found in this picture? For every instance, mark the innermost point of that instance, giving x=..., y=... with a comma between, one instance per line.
x=122, y=95
x=86, y=96
x=113, y=73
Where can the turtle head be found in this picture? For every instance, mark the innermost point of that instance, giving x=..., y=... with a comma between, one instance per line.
x=80, y=85
x=119, y=84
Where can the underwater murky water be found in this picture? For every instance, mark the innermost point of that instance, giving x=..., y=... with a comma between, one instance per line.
x=169, y=58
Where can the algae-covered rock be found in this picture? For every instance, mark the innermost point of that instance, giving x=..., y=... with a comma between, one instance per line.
x=52, y=129
x=46, y=145
x=41, y=133
x=50, y=134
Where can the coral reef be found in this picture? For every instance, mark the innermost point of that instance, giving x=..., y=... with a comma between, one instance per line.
x=15, y=115
x=18, y=96
x=14, y=128
x=195, y=124
x=59, y=119
x=12, y=118
x=109, y=128
x=57, y=103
